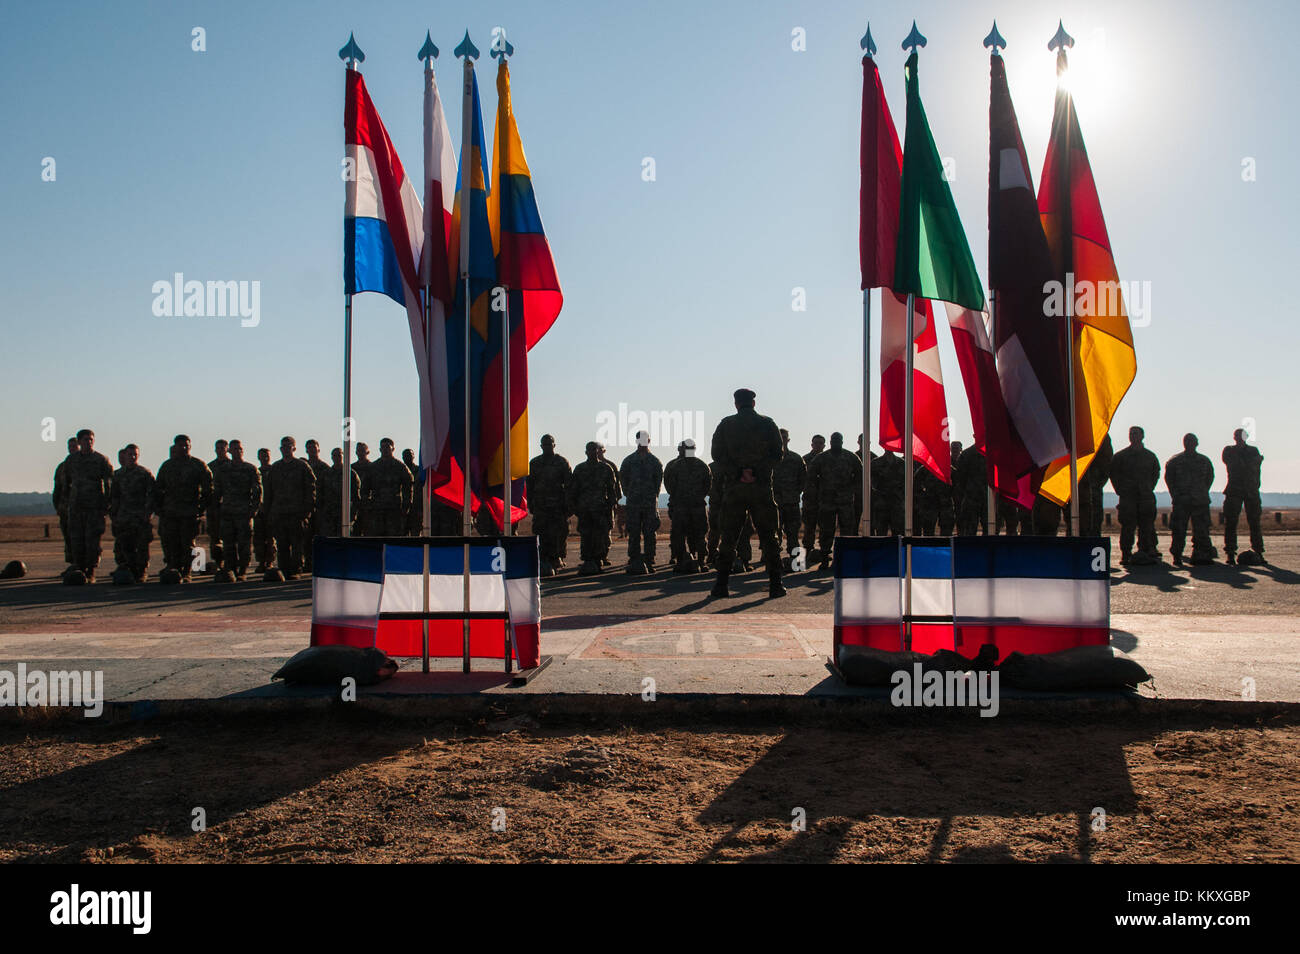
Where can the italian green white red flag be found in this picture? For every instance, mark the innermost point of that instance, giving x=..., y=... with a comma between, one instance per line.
x=933, y=259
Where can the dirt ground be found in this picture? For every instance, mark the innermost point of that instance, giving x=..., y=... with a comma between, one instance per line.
x=356, y=788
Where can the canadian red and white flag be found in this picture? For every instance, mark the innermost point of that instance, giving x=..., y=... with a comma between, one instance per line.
x=929, y=408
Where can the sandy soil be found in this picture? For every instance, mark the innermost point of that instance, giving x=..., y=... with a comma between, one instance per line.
x=360, y=789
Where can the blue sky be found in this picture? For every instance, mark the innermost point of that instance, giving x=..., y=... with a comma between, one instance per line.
x=224, y=165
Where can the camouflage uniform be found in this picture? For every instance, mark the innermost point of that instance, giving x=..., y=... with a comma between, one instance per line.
x=970, y=481
x=289, y=496
x=927, y=500
x=836, y=479
x=687, y=480
x=746, y=448
x=238, y=491
x=181, y=494
x=1013, y=519
x=329, y=499
x=1045, y=517
x=1243, y=463
x=359, y=516
x=386, y=497
x=216, y=557
x=316, y=526
x=618, y=494
x=131, y=499
x=61, y=505
x=547, y=486
x=810, y=508
x=90, y=483
x=641, y=476
x=744, y=547
x=1092, y=484
x=1188, y=476
x=592, y=493
x=887, y=495
x=1134, y=472
x=788, y=481
x=947, y=510
x=414, y=516
x=263, y=540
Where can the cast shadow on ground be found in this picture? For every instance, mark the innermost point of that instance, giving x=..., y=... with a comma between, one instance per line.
x=926, y=771
x=153, y=787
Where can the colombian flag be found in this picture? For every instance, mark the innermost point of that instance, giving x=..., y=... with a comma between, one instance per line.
x=480, y=266
x=524, y=268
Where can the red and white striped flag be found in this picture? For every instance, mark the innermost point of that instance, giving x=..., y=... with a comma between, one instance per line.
x=929, y=407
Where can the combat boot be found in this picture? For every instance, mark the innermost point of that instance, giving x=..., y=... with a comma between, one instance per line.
x=720, y=590
x=775, y=588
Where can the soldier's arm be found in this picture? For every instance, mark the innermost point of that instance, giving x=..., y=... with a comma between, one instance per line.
x=59, y=491
x=309, y=481
x=268, y=492
x=670, y=478
x=150, y=484
x=255, y=492
x=205, y=487
x=774, y=450
x=718, y=452
x=106, y=480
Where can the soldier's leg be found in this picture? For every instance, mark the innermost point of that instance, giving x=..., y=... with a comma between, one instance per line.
x=633, y=517
x=677, y=536
x=1177, y=530
x=695, y=535
x=826, y=519
x=715, y=529
x=216, y=551
x=745, y=545
x=1253, y=514
x=1231, y=513
x=1202, y=547
x=732, y=520
x=308, y=535
x=650, y=523
x=790, y=526
x=93, y=525
x=809, y=528
x=140, y=535
x=766, y=522
x=67, y=537
x=586, y=550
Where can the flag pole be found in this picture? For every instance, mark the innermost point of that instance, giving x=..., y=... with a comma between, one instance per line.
x=988, y=462
x=908, y=465
x=346, y=479
x=1059, y=42
x=870, y=47
x=914, y=40
x=468, y=53
x=351, y=55
x=995, y=43
x=428, y=53
x=502, y=50
x=866, y=412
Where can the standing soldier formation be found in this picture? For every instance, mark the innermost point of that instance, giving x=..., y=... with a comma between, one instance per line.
x=592, y=494
x=181, y=494
x=1243, y=463
x=747, y=447
x=836, y=479
x=687, y=480
x=238, y=490
x=547, y=488
x=641, y=476
x=1188, y=476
